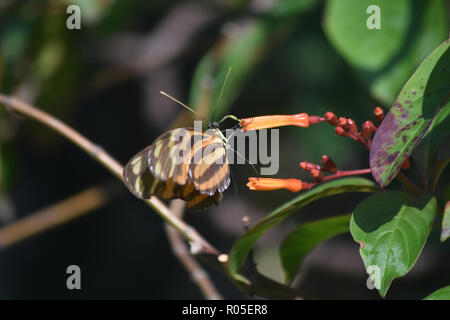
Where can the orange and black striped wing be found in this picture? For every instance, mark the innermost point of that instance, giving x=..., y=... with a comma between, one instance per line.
x=212, y=173
x=153, y=170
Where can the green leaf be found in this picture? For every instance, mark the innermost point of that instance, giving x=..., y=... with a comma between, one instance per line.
x=299, y=243
x=392, y=228
x=445, y=232
x=385, y=58
x=406, y=123
x=441, y=294
x=244, y=244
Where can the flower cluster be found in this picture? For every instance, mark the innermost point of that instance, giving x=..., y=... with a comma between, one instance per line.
x=328, y=170
x=346, y=127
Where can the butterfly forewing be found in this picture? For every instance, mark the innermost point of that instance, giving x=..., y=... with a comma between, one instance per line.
x=212, y=172
x=182, y=163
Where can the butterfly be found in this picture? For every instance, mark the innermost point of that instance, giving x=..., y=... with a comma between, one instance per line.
x=184, y=163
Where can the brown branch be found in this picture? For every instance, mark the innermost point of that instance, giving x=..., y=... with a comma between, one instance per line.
x=57, y=214
x=195, y=239
x=181, y=251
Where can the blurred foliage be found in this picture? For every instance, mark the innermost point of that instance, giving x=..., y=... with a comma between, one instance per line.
x=299, y=243
x=385, y=58
x=242, y=48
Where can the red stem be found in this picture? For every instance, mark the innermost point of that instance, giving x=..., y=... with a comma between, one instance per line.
x=340, y=174
x=344, y=173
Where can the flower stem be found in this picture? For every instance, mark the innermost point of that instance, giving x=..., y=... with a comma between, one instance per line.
x=342, y=173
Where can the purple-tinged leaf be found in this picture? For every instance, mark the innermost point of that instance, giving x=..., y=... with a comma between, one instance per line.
x=411, y=115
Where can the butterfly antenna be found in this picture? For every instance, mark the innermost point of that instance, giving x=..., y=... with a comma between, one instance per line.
x=245, y=159
x=181, y=103
x=221, y=92
x=230, y=116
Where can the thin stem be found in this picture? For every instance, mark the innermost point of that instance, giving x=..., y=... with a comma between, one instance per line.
x=345, y=173
x=109, y=163
x=357, y=137
x=181, y=251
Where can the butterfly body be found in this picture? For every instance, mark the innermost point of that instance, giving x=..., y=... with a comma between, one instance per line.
x=184, y=163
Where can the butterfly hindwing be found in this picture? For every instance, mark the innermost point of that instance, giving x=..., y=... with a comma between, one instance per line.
x=136, y=175
x=168, y=168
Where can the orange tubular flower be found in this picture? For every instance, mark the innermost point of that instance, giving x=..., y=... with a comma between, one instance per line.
x=266, y=122
x=268, y=184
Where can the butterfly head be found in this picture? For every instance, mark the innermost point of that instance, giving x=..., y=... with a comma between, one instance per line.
x=213, y=125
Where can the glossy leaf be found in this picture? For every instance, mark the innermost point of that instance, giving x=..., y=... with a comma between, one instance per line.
x=392, y=228
x=441, y=294
x=385, y=58
x=406, y=123
x=244, y=244
x=445, y=233
x=299, y=243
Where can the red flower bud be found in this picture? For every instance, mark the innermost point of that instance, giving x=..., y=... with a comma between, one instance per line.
x=341, y=132
x=379, y=114
x=328, y=164
x=367, y=129
x=331, y=118
x=352, y=128
x=343, y=123
x=308, y=166
x=316, y=174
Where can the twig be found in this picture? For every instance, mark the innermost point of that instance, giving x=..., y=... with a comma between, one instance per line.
x=181, y=251
x=56, y=214
x=109, y=163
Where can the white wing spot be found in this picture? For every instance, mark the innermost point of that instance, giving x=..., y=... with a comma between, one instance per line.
x=157, y=149
x=137, y=165
x=138, y=185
